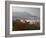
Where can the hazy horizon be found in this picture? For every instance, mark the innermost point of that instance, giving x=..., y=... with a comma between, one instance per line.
x=25, y=12
x=33, y=11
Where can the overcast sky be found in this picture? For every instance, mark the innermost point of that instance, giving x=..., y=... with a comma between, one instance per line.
x=33, y=11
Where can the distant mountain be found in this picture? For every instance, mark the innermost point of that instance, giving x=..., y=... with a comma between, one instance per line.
x=22, y=15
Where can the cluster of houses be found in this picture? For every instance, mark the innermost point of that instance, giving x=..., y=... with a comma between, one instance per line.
x=26, y=17
x=29, y=21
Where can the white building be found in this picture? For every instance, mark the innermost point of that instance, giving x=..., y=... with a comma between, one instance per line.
x=30, y=21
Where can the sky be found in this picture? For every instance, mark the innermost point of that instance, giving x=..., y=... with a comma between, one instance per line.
x=30, y=10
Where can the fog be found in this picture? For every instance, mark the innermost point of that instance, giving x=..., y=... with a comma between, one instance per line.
x=32, y=11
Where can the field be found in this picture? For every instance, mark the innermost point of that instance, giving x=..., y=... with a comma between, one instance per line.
x=17, y=25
